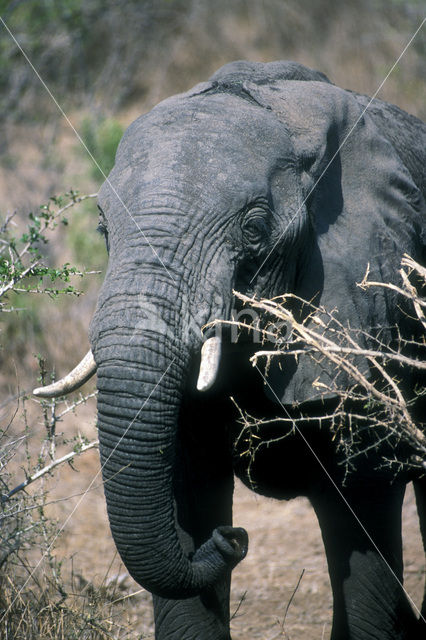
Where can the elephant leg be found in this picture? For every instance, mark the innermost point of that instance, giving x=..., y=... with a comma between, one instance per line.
x=364, y=555
x=203, y=501
x=420, y=491
x=192, y=619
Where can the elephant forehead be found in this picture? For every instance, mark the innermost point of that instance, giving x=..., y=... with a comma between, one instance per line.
x=212, y=145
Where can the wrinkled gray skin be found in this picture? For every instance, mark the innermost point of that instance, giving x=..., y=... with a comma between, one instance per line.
x=266, y=179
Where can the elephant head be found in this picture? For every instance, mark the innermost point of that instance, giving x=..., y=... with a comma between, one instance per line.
x=267, y=180
x=192, y=208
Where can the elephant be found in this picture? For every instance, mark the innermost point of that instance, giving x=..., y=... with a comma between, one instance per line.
x=267, y=179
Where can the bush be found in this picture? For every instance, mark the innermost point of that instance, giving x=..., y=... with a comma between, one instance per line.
x=365, y=412
x=158, y=47
x=36, y=601
x=23, y=267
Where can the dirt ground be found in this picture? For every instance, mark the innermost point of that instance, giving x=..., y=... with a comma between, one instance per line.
x=285, y=542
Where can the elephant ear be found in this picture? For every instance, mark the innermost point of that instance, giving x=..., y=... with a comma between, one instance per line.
x=365, y=213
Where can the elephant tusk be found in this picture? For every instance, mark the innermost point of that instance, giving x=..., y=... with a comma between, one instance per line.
x=75, y=379
x=210, y=359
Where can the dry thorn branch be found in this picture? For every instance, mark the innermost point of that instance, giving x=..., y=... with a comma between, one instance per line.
x=321, y=336
x=80, y=448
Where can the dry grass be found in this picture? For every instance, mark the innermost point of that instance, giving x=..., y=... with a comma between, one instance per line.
x=35, y=609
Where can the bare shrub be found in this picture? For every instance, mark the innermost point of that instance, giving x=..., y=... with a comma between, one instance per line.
x=382, y=395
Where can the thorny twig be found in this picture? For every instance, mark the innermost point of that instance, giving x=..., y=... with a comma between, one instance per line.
x=321, y=336
x=80, y=448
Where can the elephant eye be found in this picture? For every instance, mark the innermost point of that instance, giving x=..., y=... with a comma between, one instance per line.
x=102, y=227
x=255, y=229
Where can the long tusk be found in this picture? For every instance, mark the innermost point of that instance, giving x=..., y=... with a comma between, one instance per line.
x=75, y=379
x=210, y=359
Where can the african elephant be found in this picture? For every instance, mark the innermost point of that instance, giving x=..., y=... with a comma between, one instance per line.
x=266, y=179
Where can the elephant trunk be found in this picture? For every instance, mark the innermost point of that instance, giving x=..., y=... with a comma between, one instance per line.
x=138, y=408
